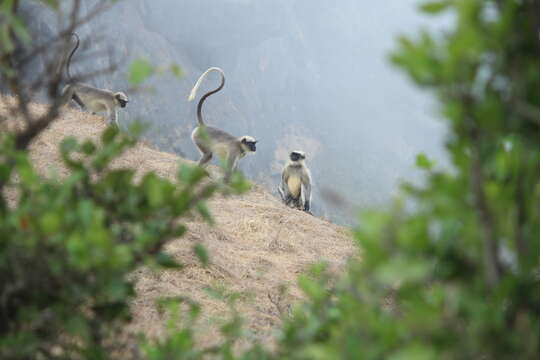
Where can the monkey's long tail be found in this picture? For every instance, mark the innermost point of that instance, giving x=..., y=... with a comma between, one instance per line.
x=71, y=55
x=193, y=92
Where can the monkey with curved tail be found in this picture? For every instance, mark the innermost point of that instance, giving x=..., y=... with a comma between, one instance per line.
x=90, y=97
x=212, y=141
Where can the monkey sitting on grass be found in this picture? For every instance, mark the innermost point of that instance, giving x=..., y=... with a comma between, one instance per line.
x=295, y=186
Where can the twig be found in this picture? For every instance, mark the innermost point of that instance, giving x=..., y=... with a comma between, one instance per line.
x=66, y=33
x=521, y=216
x=492, y=264
x=528, y=111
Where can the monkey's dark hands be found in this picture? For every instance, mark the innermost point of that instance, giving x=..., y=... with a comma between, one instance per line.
x=307, y=208
x=288, y=199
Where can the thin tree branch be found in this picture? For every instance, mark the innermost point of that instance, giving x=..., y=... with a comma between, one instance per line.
x=492, y=264
x=50, y=80
x=66, y=33
x=521, y=217
x=528, y=111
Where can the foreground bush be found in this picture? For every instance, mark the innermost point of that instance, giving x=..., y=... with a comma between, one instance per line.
x=66, y=247
x=456, y=277
x=451, y=272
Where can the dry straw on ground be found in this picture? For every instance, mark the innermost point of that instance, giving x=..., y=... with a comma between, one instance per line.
x=256, y=246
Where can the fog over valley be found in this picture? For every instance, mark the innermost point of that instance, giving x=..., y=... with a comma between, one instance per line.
x=304, y=74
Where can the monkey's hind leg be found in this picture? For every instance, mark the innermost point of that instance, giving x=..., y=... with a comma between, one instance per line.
x=78, y=100
x=205, y=158
x=297, y=203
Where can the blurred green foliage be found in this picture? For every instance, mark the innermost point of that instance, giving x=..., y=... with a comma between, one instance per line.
x=139, y=71
x=67, y=246
x=450, y=272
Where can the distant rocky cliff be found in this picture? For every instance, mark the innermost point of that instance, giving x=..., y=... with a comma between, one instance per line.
x=300, y=75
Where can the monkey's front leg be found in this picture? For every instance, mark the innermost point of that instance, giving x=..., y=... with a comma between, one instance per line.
x=113, y=116
x=230, y=167
x=282, y=192
x=289, y=199
x=307, y=207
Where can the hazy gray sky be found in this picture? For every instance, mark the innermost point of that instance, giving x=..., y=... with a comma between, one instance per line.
x=309, y=74
x=301, y=74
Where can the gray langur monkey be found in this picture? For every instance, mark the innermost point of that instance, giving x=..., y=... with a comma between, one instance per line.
x=92, y=98
x=295, y=186
x=212, y=141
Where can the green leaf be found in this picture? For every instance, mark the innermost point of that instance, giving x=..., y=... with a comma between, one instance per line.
x=191, y=174
x=239, y=184
x=88, y=147
x=201, y=253
x=154, y=189
x=139, y=71
x=179, y=231
x=435, y=7
x=137, y=128
x=52, y=3
x=415, y=352
x=208, y=191
x=21, y=31
x=177, y=71
x=50, y=222
x=184, y=172
x=109, y=135
x=167, y=261
x=205, y=212
x=26, y=172
x=68, y=145
x=423, y=162
x=402, y=270
x=5, y=172
x=311, y=287
x=7, y=45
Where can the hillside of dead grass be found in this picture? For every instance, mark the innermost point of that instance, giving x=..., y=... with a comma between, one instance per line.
x=256, y=246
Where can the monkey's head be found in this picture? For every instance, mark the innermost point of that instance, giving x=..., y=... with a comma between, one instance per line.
x=297, y=155
x=121, y=99
x=248, y=144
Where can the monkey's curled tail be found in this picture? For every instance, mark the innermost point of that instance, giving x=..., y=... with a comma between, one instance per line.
x=193, y=92
x=71, y=55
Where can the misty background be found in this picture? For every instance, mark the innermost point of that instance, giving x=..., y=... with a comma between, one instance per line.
x=307, y=75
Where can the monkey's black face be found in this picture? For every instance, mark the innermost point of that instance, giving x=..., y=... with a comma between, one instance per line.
x=297, y=156
x=250, y=144
x=121, y=99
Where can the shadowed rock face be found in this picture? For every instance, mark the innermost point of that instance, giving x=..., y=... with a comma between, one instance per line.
x=305, y=75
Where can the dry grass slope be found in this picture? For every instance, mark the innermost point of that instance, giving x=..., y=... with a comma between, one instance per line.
x=256, y=245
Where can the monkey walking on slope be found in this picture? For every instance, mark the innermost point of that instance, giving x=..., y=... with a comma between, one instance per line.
x=212, y=141
x=92, y=98
x=295, y=186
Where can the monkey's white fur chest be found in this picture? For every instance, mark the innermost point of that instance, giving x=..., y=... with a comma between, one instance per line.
x=294, y=183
